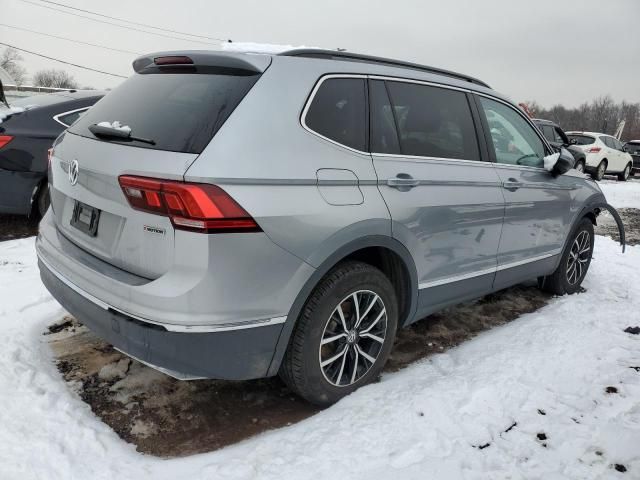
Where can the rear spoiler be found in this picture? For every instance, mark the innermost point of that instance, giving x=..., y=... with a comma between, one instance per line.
x=202, y=61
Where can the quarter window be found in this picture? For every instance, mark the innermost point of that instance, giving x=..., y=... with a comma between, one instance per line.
x=433, y=122
x=70, y=118
x=338, y=112
x=515, y=142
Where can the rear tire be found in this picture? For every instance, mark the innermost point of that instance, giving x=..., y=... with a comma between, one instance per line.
x=330, y=353
x=624, y=176
x=574, y=262
x=43, y=200
x=602, y=168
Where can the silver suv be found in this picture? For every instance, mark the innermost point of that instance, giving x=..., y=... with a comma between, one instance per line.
x=237, y=216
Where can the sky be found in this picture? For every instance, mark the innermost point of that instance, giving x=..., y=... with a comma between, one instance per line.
x=552, y=51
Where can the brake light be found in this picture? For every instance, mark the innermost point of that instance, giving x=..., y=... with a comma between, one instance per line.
x=173, y=60
x=594, y=150
x=196, y=207
x=4, y=139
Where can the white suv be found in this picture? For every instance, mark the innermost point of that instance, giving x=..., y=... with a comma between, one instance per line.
x=604, y=154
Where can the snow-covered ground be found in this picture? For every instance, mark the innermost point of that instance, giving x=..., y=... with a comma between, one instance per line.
x=532, y=393
x=622, y=194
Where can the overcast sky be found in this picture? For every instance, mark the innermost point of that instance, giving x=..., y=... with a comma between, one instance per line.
x=552, y=51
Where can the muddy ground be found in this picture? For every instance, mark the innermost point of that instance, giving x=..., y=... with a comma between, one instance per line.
x=17, y=226
x=170, y=418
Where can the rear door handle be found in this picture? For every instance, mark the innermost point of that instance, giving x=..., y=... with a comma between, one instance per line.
x=403, y=181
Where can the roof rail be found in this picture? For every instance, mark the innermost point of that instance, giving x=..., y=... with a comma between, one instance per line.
x=357, y=57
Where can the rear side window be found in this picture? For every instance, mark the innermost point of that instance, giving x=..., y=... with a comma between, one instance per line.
x=582, y=139
x=433, y=122
x=338, y=112
x=384, y=138
x=180, y=112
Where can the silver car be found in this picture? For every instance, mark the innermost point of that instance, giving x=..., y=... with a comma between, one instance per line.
x=239, y=216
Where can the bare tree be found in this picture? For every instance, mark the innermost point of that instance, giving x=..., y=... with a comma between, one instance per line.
x=54, y=78
x=10, y=61
x=601, y=115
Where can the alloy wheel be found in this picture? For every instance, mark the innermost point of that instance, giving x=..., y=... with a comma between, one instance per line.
x=353, y=338
x=578, y=257
x=627, y=170
x=601, y=169
x=580, y=167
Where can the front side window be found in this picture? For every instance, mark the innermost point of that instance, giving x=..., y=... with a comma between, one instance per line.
x=559, y=137
x=338, y=112
x=607, y=141
x=515, y=141
x=433, y=122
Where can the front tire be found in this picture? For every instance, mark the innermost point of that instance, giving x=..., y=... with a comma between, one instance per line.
x=602, y=168
x=574, y=263
x=579, y=166
x=343, y=335
x=624, y=176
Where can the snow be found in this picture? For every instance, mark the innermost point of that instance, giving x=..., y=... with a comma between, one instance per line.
x=116, y=125
x=545, y=373
x=550, y=161
x=622, y=194
x=7, y=112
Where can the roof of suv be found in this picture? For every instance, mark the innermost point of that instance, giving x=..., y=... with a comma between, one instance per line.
x=357, y=57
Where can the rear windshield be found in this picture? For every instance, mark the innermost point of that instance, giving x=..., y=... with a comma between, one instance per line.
x=180, y=112
x=582, y=139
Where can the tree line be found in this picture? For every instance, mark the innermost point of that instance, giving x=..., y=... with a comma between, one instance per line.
x=11, y=62
x=600, y=115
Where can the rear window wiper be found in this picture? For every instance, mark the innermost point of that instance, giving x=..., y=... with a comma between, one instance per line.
x=115, y=130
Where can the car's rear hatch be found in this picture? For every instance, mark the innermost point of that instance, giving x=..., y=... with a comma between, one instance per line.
x=174, y=110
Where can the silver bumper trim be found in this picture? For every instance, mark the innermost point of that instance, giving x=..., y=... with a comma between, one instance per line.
x=224, y=327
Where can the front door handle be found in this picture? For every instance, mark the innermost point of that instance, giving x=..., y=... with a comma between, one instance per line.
x=512, y=185
x=403, y=181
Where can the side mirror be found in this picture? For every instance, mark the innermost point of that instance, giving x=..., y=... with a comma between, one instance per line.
x=564, y=163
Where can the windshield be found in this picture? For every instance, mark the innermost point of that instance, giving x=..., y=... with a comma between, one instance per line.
x=633, y=148
x=180, y=112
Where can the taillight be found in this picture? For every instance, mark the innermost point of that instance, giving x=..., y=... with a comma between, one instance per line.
x=4, y=139
x=594, y=150
x=173, y=60
x=198, y=207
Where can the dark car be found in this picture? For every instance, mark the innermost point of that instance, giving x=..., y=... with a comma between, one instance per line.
x=633, y=148
x=557, y=138
x=27, y=130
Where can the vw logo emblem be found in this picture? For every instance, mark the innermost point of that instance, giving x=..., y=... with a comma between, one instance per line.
x=73, y=172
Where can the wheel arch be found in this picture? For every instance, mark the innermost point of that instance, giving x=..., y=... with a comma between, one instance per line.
x=381, y=251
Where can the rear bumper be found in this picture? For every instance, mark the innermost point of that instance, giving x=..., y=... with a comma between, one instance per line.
x=238, y=354
x=17, y=189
